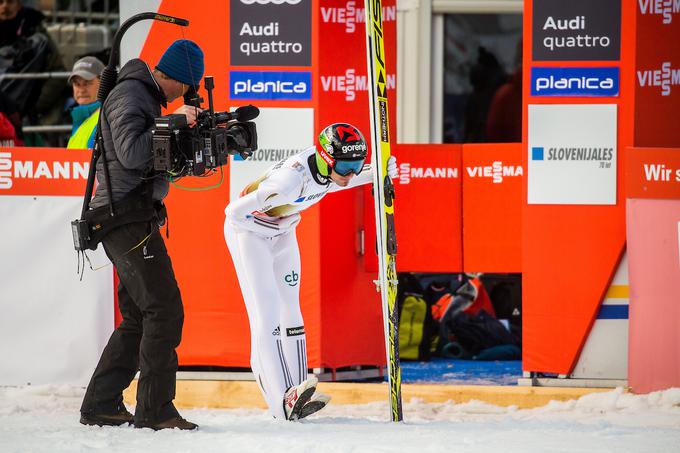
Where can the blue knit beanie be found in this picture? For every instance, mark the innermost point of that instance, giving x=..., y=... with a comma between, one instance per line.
x=183, y=61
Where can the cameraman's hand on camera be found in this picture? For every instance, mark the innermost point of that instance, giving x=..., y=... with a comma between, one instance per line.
x=190, y=112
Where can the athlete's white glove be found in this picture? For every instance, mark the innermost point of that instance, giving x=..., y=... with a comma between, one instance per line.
x=265, y=227
x=392, y=169
x=288, y=222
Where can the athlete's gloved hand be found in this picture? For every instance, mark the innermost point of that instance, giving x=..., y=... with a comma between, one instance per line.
x=289, y=221
x=268, y=228
x=392, y=169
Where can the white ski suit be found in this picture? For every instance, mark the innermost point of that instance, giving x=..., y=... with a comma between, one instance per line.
x=260, y=234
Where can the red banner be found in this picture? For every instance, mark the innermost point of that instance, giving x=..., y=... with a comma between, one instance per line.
x=43, y=171
x=343, y=80
x=342, y=93
x=653, y=173
x=492, y=207
x=428, y=208
x=657, y=74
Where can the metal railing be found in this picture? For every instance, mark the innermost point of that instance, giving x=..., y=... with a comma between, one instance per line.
x=35, y=75
x=75, y=12
x=56, y=128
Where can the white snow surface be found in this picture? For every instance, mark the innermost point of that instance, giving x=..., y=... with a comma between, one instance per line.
x=45, y=419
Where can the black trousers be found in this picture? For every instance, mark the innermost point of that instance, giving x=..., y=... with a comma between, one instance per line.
x=151, y=307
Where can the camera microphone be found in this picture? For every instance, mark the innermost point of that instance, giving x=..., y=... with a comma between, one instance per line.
x=245, y=113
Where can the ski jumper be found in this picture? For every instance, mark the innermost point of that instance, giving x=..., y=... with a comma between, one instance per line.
x=260, y=234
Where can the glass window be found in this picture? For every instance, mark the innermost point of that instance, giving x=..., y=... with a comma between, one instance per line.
x=482, y=78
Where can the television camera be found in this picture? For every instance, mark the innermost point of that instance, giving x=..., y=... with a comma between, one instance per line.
x=180, y=150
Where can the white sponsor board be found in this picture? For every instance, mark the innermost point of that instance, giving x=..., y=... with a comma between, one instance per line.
x=572, y=154
x=281, y=132
x=53, y=326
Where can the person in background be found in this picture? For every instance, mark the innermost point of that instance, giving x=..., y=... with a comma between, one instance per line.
x=486, y=75
x=84, y=79
x=504, y=123
x=25, y=46
x=10, y=123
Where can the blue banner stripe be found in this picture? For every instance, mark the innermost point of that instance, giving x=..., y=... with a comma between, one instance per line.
x=613, y=312
x=595, y=81
x=270, y=85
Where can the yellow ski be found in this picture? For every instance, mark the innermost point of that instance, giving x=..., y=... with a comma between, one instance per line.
x=383, y=194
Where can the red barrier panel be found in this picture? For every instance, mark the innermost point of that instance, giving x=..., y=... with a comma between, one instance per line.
x=350, y=314
x=653, y=233
x=428, y=208
x=450, y=223
x=492, y=200
x=570, y=252
x=653, y=205
x=657, y=75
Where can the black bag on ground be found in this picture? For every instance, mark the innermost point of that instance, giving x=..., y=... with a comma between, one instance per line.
x=475, y=333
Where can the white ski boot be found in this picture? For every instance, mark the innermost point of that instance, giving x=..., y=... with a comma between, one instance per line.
x=296, y=397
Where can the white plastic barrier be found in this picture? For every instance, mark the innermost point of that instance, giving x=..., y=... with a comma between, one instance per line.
x=52, y=325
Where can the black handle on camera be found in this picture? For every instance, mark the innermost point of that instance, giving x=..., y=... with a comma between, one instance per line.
x=243, y=113
x=109, y=78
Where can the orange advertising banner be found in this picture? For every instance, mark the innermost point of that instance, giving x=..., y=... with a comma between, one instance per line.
x=428, y=213
x=653, y=173
x=558, y=240
x=44, y=171
x=492, y=207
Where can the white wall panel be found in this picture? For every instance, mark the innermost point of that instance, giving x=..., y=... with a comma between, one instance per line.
x=53, y=326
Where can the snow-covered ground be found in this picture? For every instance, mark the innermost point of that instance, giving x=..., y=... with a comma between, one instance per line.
x=45, y=419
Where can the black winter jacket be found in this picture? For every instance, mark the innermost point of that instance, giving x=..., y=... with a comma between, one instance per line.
x=126, y=122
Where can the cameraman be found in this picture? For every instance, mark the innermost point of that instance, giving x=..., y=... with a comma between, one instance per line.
x=148, y=295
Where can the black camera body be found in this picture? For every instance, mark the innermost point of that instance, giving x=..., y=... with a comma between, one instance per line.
x=180, y=150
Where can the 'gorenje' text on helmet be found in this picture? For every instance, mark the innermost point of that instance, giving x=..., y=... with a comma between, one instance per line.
x=341, y=147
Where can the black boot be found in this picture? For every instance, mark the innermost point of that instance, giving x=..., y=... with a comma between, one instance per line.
x=119, y=418
x=174, y=422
